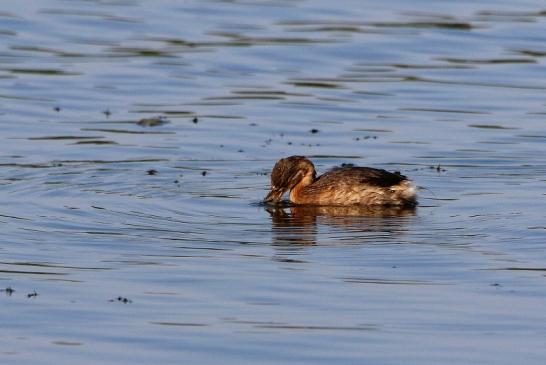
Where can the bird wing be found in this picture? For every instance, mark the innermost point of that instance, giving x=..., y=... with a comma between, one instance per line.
x=359, y=176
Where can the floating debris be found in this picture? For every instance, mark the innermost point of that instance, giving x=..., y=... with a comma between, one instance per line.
x=57, y=109
x=32, y=295
x=314, y=131
x=195, y=120
x=438, y=168
x=107, y=113
x=121, y=300
x=151, y=172
x=204, y=173
x=9, y=291
x=152, y=122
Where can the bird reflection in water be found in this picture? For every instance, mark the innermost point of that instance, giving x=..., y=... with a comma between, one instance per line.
x=298, y=224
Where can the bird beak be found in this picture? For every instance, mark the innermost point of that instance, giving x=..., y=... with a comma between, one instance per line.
x=275, y=195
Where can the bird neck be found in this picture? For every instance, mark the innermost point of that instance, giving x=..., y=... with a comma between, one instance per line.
x=297, y=191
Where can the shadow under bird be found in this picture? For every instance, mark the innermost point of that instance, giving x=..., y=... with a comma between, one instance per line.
x=346, y=185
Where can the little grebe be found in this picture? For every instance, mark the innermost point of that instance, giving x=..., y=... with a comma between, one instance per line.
x=339, y=186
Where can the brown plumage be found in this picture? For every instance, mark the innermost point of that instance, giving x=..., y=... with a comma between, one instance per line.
x=346, y=185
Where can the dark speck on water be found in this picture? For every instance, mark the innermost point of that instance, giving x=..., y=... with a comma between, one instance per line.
x=106, y=196
x=438, y=168
x=9, y=291
x=121, y=300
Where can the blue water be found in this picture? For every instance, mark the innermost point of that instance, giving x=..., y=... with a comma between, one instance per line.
x=102, y=261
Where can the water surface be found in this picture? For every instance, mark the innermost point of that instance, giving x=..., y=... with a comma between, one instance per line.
x=136, y=142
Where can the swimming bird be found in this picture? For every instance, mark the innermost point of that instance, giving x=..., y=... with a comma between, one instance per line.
x=345, y=185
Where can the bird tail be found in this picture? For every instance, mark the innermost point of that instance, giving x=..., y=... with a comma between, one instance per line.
x=405, y=192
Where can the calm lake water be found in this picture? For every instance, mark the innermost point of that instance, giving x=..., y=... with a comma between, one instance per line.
x=134, y=242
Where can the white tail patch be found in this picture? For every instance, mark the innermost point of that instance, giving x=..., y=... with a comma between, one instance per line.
x=405, y=190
